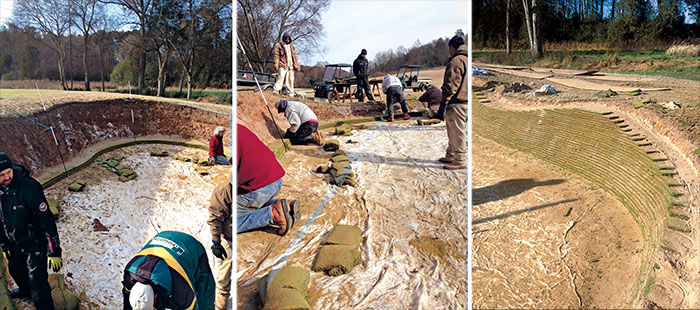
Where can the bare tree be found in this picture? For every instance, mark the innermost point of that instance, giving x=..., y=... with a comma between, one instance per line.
x=508, y=50
x=261, y=23
x=84, y=18
x=533, y=30
x=161, y=30
x=141, y=9
x=50, y=18
x=104, y=40
x=191, y=23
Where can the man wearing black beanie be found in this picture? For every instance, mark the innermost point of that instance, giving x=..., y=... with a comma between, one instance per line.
x=360, y=67
x=29, y=234
x=454, y=102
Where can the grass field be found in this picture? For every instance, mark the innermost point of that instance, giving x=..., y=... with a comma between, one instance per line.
x=27, y=92
x=213, y=96
x=654, y=62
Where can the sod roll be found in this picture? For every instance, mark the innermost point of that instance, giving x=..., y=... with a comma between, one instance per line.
x=428, y=122
x=75, y=187
x=286, y=299
x=53, y=206
x=345, y=235
x=340, y=158
x=331, y=145
x=337, y=260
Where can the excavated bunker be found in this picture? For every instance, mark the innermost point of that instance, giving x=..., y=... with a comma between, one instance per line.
x=407, y=214
x=576, y=247
x=102, y=226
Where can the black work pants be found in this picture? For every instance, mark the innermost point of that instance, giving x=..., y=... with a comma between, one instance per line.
x=303, y=134
x=393, y=95
x=363, y=84
x=28, y=269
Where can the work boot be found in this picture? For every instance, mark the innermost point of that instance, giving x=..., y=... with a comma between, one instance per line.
x=445, y=159
x=391, y=117
x=405, y=116
x=455, y=166
x=220, y=302
x=17, y=294
x=281, y=217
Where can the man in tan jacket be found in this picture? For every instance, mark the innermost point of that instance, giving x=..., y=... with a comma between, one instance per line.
x=454, y=96
x=285, y=58
x=221, y=234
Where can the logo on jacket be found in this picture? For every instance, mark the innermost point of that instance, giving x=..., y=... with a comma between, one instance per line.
x=43, y=207
x=17, y=207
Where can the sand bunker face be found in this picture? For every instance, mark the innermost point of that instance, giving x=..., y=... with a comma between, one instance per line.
x=408, y=208
x=166, y=195
x=527, y=254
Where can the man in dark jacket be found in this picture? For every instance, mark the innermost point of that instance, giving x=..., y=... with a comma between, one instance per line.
x=221, y=235
x=29, y=234
x=171, y=271
x=360, y=67
x=454, y=98
x=433, y=97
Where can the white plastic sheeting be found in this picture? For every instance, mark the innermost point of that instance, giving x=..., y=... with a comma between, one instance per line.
x=403, y=194
x=166, y=195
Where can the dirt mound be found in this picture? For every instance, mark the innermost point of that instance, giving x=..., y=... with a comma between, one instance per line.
x=81, y=124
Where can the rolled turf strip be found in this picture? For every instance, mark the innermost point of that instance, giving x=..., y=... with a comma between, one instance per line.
x=287, y=291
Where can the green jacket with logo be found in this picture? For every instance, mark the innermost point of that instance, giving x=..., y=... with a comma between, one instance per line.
x=176, y=265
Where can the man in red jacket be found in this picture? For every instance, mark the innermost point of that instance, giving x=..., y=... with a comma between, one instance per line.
x=259, y=181
x=216, y=147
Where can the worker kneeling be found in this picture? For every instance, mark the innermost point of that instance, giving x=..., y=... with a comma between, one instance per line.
x=302, y=121
x=171, y=271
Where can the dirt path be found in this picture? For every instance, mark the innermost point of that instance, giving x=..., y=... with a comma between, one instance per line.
x=165, y=192
x=527, y=254
x=411, y=212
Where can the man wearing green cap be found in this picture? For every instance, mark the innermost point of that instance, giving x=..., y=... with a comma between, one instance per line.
x=171, y=271
x=29, y=234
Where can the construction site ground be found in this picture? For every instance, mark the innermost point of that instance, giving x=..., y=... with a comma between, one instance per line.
x=597, y=255
x=412, y=214
x=106, y=224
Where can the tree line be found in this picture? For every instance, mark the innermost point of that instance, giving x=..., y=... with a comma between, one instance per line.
x=506, y=23
x=185, y=41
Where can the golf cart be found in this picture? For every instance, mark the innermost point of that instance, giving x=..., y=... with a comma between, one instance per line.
x=335, y=78
x=266, y=80
x=408, y=74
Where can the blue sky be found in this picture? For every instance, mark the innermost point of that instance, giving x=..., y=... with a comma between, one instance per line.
x=377, y=26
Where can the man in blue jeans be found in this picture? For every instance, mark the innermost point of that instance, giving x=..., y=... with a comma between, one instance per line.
x=393, y=89
x=259, y=182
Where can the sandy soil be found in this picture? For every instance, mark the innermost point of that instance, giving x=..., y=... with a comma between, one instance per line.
x=671, y=132
x=562, y=261
x=403, y=203
x=164, y=193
